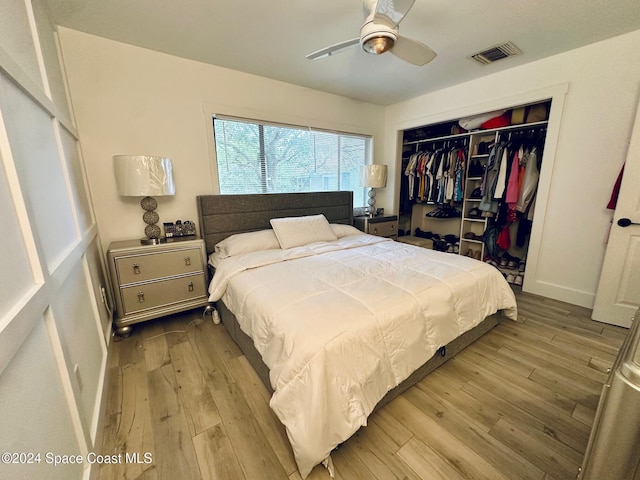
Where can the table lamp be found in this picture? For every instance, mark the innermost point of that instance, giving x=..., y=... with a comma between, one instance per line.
x=145, y=176
x=373, y=176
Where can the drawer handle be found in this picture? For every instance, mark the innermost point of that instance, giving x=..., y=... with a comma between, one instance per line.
x=140, y=297
x=187, y=261
x=393, y=227
x=375, y=231
x=190, y=285
x=136, y=269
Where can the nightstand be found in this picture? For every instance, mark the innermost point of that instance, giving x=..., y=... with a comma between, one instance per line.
x=382, y=226
x=151, y=281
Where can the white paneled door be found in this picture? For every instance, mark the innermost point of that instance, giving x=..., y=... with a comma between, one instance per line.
x=618, y=295
x=54, y=327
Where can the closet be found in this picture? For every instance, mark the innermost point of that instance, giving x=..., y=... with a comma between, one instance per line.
x=472, y=192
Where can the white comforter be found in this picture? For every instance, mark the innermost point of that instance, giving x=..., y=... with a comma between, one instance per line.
x=341, y=323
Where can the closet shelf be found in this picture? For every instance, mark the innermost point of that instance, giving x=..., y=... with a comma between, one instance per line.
x=439, y=139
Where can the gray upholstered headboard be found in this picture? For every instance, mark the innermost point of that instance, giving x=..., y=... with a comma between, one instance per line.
x=223, y=215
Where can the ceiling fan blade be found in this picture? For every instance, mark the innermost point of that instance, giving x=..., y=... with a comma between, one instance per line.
x=333, y=49
x=393, y=11
x=412, y=51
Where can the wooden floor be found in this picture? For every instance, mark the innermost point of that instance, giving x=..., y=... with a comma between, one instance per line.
x=517, y=404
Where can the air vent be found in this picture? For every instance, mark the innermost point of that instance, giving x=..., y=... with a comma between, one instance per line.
x=498, y=52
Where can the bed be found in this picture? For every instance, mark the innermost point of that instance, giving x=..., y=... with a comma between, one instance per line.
x=337, y=327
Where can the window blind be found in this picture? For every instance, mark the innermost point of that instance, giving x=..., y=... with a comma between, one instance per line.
x=263, y=157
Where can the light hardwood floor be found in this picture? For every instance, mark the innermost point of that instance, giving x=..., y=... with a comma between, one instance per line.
x=516, y=404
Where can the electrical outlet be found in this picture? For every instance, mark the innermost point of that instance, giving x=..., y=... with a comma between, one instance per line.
x=105, y=300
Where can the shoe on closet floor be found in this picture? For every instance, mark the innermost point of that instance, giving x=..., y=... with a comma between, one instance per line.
x=511, y=278
x=514, y=262
x=419, y=233
x=491, y=262
x=475, y=213
x=450, y=238
x=518, y=280
x=509, y=261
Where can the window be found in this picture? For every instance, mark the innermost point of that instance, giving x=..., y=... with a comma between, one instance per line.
x=273, y=158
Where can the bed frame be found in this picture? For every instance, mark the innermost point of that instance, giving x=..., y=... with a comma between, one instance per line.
x=223, y=215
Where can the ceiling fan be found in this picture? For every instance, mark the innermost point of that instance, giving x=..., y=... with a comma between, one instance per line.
x=379, y=34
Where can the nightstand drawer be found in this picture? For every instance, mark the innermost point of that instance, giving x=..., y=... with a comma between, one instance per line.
x=165, y=292
x=140, y=268
x=383, y=229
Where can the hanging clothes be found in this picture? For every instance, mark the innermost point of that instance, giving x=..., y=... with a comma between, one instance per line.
x=504, y=238
x=435, y=175
x=410, y=173
x=501, y=181
x=513, y=183
x=529, y=182
x=488, y=202
x=450, y=175
x=458, y=191
x=420, y=174
x=613, y=201
x=432, y=172
x=511, y=196
x=441, y=177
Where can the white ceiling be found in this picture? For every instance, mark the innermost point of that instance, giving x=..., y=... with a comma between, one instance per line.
x=271, y=38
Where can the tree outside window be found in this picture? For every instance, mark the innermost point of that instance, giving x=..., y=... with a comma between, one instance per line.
x=267, y=158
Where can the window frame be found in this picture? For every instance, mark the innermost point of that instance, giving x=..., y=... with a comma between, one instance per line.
x=360, y=193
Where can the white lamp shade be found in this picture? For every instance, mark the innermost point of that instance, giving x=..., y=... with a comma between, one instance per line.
x=374, y=176
x=143, y=175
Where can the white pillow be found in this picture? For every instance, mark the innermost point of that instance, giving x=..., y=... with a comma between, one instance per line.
x=342, y=230
x=298, y=231
x=247, y=243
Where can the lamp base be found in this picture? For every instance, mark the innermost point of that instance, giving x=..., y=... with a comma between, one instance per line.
x=150, y=217
x=153, y=241
x=372, y=203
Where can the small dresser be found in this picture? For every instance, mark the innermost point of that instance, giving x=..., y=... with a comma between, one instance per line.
x=382, y=226
x=150, y=281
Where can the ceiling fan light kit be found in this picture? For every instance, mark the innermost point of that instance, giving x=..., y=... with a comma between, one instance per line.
x=378, y=43
x=380, y=34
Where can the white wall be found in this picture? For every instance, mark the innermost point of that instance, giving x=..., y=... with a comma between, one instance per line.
x=593, y=133
x=131, y=100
